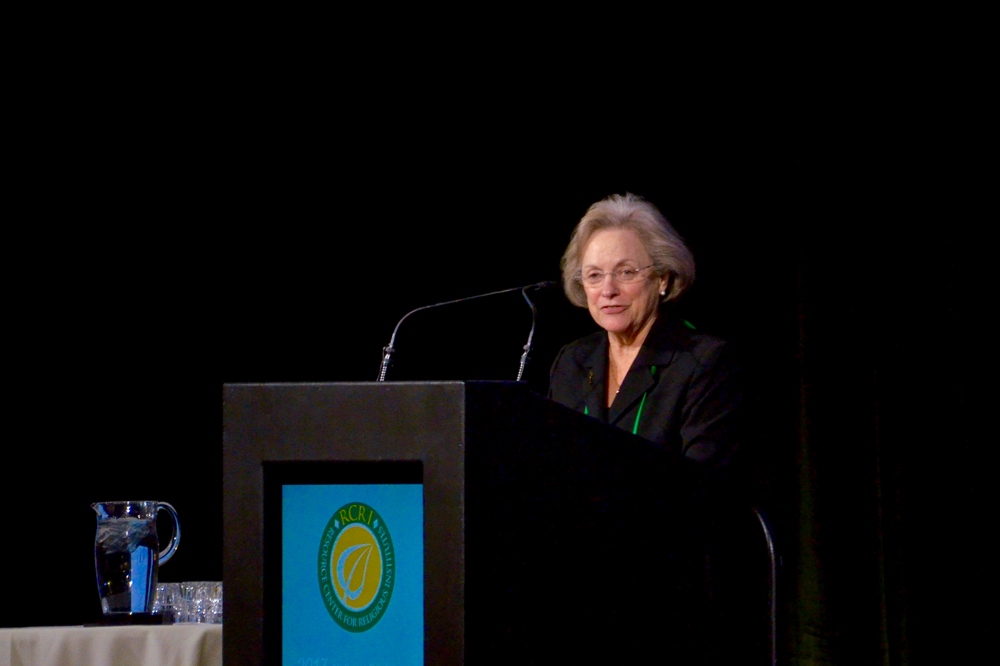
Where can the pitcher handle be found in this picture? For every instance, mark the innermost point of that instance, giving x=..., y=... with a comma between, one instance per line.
x=175, y=536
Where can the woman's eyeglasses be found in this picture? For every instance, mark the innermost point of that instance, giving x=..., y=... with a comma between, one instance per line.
x=622, y=275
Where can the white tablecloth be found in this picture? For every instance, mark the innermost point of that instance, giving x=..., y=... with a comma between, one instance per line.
x=136, y=645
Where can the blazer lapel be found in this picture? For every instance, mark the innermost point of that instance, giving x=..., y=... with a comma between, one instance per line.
x=595, y=380
x=656, y=354
x=640, y=380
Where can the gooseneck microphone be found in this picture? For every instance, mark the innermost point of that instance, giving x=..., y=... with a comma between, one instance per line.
x=531, y=333
x=389, y=349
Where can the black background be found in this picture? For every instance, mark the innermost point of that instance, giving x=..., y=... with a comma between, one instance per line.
x=296, y=264
x=257, y=221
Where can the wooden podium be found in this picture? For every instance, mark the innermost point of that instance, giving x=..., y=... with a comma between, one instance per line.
x=549, y=537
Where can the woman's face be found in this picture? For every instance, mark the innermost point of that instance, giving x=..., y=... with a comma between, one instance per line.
x=628, y=308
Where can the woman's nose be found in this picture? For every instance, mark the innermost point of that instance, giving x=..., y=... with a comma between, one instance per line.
x=610, y=286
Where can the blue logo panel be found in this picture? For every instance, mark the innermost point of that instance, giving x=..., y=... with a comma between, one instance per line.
x=318, y=623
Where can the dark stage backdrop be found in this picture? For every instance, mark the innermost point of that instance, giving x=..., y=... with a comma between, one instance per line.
x=291, y=256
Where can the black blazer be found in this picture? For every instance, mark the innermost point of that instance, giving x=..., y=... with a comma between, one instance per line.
x=683, y=390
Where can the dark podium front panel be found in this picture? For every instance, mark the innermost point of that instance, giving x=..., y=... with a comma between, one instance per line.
x=548, y=536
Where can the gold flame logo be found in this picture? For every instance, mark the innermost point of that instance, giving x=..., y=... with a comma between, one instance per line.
x=358, y=565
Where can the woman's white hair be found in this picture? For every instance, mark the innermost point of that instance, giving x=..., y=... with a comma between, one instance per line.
x=670, y=256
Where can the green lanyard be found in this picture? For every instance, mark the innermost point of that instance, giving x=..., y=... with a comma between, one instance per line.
x=635, y=426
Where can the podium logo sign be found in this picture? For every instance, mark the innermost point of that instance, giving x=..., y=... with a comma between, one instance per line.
x=356, y=567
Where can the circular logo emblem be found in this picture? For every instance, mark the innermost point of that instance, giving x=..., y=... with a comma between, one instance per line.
x=356, y=567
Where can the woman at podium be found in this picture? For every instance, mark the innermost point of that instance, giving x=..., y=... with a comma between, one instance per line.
x=653, y=374
x=647, y=371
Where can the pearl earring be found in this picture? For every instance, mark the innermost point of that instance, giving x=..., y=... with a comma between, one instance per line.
x=663, y=293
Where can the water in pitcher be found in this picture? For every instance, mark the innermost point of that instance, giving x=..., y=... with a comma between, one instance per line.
x=126, y=554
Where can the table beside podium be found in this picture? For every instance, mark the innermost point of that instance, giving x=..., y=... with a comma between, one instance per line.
x=126, y=645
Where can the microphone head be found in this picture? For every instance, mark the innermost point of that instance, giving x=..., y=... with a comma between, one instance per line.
x=548, y=284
